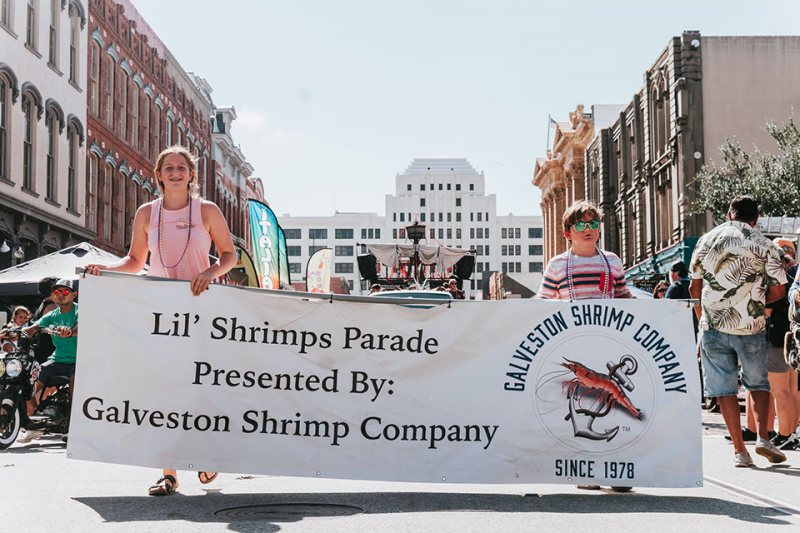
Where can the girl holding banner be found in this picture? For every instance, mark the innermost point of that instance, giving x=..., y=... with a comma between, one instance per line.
x=177, y=230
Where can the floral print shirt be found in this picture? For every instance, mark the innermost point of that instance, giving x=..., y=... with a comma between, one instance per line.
x=737, y=264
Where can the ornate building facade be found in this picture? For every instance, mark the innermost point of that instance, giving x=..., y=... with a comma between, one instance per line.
x=42, y=127
x=140, y=101
x=560, y=176
x=698, y=93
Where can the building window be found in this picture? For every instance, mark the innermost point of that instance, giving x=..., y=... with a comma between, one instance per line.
x=52, y=144
x=422, y=202
x=5, y=13
x=110, y=81
x=123, y=107
x=441, y=217
x=394, y=233
x=344, y=251
x=441, y=233
x=293, y=251
x=31, y=23
x=534, y=233
x=504, y=233
x=94, y=72
x=458, y=216
x=422, y=217
x=486, y=249
x=318, y=233
x=472, y=186
x=458, y=186
x=74, y=48
x=517, y=232
x=294, y=268
x=479, y=233
x=449, y=217
x=408, y=187
x=517, y=267
x=91, y=194
x=343, y=268
x=402, y=217
x=458, y=233
x=344, y=233
x=292, y=233
x=535, y=249
x=53, y=34
x=422, y=187
x=370, y=233
x=135, y=106
x=108, y=177
x=471, y=233
x=377, y=233
x=504, y=250
x=486, y=232
x=168, y=133
x=449, y=233
x=535, y=266
x=458, y=202
x=504, y=267
x=480, y=219
x=313, y=248
x=4, y=92
x=28, y=125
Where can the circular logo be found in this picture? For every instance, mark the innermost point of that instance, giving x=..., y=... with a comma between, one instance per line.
x=594, y=392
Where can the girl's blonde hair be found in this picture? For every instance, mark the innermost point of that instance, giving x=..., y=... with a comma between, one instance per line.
x=190, y=160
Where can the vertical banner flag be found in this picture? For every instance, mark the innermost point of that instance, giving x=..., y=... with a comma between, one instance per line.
x=266, y=251
x=245, y=262
x=318, y=271
x=285, y=276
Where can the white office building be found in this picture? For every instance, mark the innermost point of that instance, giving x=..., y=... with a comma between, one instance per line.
x=447, y=195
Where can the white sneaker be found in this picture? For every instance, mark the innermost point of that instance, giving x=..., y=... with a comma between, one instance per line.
x=766, y=449
x=742, y=460
x=29, y=436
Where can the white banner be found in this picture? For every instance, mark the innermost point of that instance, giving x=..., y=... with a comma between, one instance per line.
x=515, y=391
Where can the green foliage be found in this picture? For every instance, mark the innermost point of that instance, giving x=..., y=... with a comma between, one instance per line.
x=772, y=178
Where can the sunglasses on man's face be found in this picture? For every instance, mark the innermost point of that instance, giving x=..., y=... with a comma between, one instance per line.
x=61, y=292
x=581, y=225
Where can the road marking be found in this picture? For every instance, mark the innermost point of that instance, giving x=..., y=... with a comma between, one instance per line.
x=778, y=505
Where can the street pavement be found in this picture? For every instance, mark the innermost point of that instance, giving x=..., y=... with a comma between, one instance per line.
x=42, y=489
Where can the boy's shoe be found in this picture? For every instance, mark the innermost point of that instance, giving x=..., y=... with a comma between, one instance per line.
x=765, y=448
x=29, y=436
x=742, y=460
x=790, y=444
x=778, y=440
x=747, y=435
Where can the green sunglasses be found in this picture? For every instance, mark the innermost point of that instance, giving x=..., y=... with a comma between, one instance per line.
x=581, y=225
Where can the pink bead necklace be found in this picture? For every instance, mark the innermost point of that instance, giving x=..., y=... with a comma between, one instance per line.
x=161, y=236
x=606, y=288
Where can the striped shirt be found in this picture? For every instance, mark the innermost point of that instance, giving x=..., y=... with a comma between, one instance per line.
x=588, y=277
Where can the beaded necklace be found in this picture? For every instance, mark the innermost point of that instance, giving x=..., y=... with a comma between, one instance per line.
x=161, y=237
x=607, y=290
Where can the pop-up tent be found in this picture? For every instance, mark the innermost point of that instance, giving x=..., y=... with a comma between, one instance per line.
x=23, y=279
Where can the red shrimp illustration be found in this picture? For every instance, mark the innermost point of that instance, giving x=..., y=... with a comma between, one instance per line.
x=609, y=391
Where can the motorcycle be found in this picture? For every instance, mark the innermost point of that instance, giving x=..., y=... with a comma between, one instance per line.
x=19, y=371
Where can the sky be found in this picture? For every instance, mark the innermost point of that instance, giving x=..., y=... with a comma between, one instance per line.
x=335, y=98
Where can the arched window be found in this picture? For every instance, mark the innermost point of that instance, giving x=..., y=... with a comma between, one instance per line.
x=28, y=138
x=108, y=177
x=75, y=13
x=94, y=75
x=124, y=81
x=72, y=168
x=156, y=130
x=168, y=132
x=91, y=193
x=130, y=209
x=118, y=208
x=53, y=32
x=110, y=82
x=31, y=24
x=5, y=93
x=135, y=104
x=52, y=154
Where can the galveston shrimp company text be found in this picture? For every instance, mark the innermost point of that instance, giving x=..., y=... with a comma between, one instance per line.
x=650, y=343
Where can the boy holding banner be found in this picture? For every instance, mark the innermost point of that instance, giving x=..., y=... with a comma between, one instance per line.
x=584, y=271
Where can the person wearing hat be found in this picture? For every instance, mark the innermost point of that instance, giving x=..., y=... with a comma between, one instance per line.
x=63, y=322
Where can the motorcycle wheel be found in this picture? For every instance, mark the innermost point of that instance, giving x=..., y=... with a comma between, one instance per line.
x=10, y=432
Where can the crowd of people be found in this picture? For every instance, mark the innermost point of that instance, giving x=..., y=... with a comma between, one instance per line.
x=744, y=286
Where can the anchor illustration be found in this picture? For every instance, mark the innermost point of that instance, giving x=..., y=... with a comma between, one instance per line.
x=609, y=391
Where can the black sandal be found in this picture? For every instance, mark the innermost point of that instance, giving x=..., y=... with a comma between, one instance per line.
x=206, y=477
x=165, y=486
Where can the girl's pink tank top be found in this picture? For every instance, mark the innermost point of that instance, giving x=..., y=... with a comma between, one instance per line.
x=166, y=261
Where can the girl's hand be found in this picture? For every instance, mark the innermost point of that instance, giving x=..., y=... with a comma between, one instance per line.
x=94, y=270
x=201, y=282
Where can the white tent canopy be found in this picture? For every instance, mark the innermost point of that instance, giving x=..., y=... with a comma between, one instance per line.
x=23, y=279
x=443, y=257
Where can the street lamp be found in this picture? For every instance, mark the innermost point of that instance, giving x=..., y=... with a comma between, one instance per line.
x=416, y=232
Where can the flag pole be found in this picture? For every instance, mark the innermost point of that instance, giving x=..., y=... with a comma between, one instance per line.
x=549, y=122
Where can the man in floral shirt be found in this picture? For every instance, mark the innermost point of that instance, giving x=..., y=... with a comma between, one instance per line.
x=736, y=271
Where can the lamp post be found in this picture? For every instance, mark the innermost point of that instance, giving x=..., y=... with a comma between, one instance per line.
x=416, y=232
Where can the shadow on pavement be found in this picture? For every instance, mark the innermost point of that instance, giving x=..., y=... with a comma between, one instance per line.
x=203, y=508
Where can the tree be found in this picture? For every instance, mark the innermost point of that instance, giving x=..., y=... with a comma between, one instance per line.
x=772, y=178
